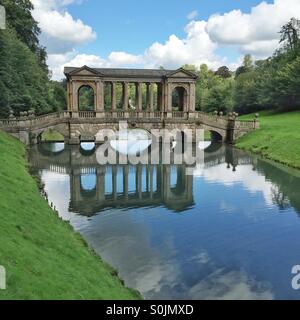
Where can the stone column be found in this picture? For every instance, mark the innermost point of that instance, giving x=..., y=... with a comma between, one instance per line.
x=113, y=97
x=159, y=97
x=69, y=96
x=100, y=96
x=125, y=96
x=150, y=97
x=192, y=100
x=138, y=96
x=75, y=96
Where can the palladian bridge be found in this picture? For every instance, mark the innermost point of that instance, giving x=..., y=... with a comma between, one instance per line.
x=146, y=99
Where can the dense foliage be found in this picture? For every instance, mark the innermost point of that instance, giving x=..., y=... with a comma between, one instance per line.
x=24, y=75
x=273, y=83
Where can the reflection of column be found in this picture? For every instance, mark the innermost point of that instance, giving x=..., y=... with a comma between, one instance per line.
x=125, y=96
x=147, y=179
x=113, y=96
x=138, y=96
x=100, y=184
x=125, y=181
x=114, y=182
x=75, y=187
x=140, y=188
x=151, y=182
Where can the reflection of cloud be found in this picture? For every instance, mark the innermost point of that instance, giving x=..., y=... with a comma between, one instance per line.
x=233, y=285
x=201, y=258
x=58, y=188
x=251, y=180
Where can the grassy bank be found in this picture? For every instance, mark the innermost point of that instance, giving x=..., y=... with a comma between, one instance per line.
x=52, y=135
x=44, y=258
x=278, y=138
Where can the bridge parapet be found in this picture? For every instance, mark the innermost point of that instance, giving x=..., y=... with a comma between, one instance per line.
x=229, y=128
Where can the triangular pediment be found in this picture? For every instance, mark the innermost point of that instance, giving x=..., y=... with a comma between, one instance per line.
x=181, y=73
x=84, y=71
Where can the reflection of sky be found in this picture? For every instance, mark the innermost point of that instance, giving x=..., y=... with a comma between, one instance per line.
x=234, y=243
x=88, y=182
x=87, y=146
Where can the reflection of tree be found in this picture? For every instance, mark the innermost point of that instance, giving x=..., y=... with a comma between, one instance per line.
x=279, y=198
x=288, y=185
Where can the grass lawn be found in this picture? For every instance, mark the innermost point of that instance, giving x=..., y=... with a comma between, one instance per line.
x=52, y=135
x=278, y=138
x=43, y=256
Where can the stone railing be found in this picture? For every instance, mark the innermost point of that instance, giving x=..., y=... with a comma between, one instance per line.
x=247, y=125
x=208, y=119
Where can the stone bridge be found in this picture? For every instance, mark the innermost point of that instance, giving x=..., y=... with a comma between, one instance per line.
x=84, y=126
x=163, y=99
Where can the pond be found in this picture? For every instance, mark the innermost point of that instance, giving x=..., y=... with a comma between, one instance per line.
x=230, y=230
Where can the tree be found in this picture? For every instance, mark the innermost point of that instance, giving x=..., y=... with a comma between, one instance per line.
x=19, y=17
x=246, y=67
x=290, y=34
x=24, y=82
x=223, y=72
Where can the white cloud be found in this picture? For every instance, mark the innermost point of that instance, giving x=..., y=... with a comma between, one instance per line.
x=123, y=58
x=196, y=48
x=256, y=32
x=192, y=15
x=60, y=31
x=63, y=27
x=251, y=180
x=57, y=62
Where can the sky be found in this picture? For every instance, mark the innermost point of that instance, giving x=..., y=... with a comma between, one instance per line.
x=168, y=33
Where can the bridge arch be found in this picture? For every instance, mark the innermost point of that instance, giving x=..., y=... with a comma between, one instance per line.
x=59, y=132
x=216, y=136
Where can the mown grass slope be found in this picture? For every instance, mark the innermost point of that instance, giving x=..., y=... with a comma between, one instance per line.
x=278, y=138
x=44, y=258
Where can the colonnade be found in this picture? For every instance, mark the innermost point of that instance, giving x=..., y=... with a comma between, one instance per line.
x=166, y=81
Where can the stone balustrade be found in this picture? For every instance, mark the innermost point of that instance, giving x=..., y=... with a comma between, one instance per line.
x=123, y=115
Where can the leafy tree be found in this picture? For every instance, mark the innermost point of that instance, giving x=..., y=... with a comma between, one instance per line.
x=246, y=67
x=24, y=81
x=223, y=72
x=290, y=34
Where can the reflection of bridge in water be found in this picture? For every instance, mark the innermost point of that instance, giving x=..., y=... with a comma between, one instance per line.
x=94, y=187
x=130, y=186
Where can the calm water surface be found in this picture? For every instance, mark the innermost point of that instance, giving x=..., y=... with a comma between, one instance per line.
x=230, y=231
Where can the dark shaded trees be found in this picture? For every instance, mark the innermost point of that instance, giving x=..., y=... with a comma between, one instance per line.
x=24, y=79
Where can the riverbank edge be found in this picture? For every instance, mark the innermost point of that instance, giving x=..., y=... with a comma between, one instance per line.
x=266, y=157
x=108, y=274
x=256, y=147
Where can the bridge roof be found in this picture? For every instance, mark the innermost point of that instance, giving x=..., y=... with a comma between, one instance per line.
x=131, y=73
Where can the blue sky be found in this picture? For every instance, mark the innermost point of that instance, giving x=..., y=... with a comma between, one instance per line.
x=148, y=34
x=133, y=25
